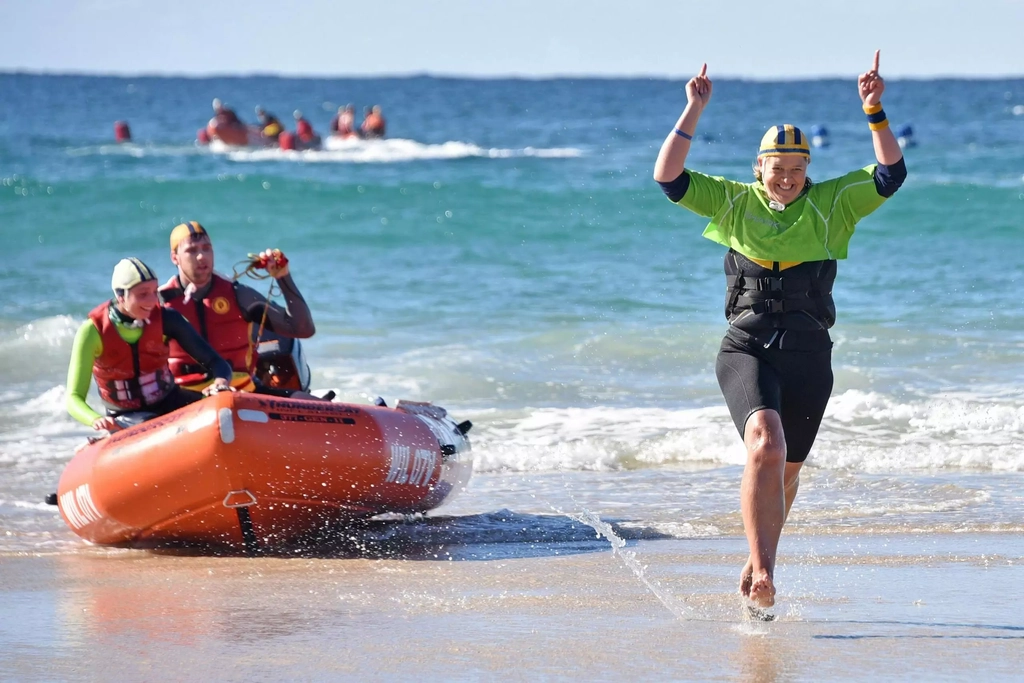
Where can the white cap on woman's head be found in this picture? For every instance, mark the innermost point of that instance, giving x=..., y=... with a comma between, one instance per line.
x=130, y=272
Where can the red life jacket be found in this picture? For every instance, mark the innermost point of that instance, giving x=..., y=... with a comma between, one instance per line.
x=304, y=130
x=219, y=321
x=374, y=125
x=227, y=117
x=131, y=376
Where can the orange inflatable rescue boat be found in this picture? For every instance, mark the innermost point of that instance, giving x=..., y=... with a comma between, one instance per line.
x=254, y=472
x=230, y=134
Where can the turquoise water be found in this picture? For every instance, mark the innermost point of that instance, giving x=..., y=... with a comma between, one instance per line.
x=506, y=255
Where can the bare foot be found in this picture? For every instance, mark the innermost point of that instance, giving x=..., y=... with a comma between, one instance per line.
x=746, y=578
x=762, y=590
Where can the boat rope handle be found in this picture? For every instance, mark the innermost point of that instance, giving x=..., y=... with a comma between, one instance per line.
x=239, y=499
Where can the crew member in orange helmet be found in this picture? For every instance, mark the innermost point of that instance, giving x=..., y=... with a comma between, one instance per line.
x=224, y=312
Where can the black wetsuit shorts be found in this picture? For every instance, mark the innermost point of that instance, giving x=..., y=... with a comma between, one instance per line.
x=794, y=383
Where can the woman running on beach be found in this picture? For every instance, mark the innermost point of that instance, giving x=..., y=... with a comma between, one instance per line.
x=785, y=235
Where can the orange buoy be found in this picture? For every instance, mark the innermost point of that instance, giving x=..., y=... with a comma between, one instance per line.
x=121, y=131
x=250, y=471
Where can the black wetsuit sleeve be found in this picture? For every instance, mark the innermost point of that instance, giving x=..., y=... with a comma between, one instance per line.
x=889, y=178
x=294, y=321
x=676, y=189
x=179, y=329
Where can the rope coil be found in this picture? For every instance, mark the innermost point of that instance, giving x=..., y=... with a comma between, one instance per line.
x=251, y=267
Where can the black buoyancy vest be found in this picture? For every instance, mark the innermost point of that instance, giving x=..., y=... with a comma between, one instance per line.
x=797, y=298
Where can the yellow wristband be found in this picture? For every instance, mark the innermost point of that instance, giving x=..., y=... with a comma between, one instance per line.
x=876, y=117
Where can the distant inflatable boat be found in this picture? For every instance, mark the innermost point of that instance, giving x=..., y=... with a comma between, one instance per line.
x=242, y=136
x=253, y=472
x=236, y=135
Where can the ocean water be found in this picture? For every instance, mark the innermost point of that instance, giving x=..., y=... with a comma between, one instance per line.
x=505, y=254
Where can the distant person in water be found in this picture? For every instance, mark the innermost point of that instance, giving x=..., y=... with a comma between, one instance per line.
x=304, y=130
x=784, y=236
x=905, y=136
x=374, y=125
x=270, y=126
x=124, y=345
x=344, y=122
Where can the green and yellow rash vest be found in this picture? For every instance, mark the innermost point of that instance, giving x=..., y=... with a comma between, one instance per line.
x=816, y=227
x=781, y=265
x=88, y=346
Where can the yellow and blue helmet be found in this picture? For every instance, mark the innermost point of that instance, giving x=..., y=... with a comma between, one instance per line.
x=783, y=140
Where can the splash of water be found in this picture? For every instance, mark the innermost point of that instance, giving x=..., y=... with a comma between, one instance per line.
x=628, y=557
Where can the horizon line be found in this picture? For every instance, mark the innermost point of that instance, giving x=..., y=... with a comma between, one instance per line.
x=487, y=77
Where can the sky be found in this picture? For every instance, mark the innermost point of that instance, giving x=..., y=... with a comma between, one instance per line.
x=528, y=38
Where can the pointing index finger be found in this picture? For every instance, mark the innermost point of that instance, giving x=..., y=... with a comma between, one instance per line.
x=874, y=67
x=703, y=70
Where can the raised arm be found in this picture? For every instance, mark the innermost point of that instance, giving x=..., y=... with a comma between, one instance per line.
x=293, y=321
x=672, y=157
x=870, y=86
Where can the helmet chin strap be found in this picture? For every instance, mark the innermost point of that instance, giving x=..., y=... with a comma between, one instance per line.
x=772, y=204
x=136, y=323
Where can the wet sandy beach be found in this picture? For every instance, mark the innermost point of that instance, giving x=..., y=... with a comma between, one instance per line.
x=927, y=606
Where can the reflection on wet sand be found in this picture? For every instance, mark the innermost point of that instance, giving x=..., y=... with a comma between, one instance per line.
x=548, y=609
x=765, y=654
